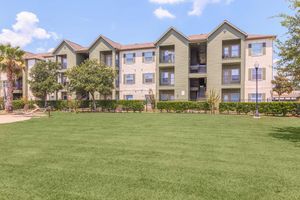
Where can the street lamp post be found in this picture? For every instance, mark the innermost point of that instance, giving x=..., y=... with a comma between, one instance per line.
x=256, y=98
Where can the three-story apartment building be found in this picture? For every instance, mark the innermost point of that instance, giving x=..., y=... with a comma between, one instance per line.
x=178, y=67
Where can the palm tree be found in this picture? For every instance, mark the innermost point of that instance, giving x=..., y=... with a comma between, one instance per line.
x=11, y=62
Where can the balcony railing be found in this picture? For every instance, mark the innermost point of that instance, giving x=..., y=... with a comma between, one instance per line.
x=231, y=79
x=167, y=81
x=167, y=57
x=198, y=69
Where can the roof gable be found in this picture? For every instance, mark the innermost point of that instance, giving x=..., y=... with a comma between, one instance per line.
x=227, y=25
x=169, y=31
x=109, y=42
x=71, y=45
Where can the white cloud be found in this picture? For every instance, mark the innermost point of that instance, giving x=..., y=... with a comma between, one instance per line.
x=163, y=13
x=25, y=30
x=50, y=50
x=166, y=1
x=198, y=5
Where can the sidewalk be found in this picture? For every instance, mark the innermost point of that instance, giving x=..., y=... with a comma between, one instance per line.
x=6, y=119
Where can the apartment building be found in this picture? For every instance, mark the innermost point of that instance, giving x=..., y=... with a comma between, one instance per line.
x=178, y=67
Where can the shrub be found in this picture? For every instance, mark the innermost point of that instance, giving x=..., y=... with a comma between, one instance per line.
x=1, y=103
x=131, y=105
x=18, y=104
x=182, y=106
x=267, y=108
x=107, y=105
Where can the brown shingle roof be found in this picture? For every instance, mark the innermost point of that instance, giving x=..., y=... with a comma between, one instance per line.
x=198, y=37
x=39, y=56
x=256, y=36
x=111, y=43
x=75, y=46
x=148, y=45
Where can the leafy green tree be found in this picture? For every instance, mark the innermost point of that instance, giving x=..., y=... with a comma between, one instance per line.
x=44, y=79
x=12, y=63
x=91, y=77
x=289, y=51
x=282, y=85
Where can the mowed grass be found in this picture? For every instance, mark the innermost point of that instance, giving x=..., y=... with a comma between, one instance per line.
x=150, y=156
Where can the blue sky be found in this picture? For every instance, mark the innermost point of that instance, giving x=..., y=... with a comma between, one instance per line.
x=43, y=24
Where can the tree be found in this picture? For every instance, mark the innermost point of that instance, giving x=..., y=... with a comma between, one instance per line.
x=282, y=85
x=91, y=77
x=44, y=79
x=289, y=51
x=11, y=62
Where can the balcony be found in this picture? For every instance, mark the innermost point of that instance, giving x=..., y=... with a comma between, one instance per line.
x=197, y=89
x=106, y=58
x=198, y=57
x=198, y=69
x=166, y=95
x=167, y=78
x=231, y=75
x=167, y=55
x=231, y=49
x=62, y=60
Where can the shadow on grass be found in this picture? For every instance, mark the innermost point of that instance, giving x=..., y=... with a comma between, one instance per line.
x=291, y=134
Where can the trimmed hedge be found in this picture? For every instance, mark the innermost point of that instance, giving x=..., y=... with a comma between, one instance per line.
x=182, y=106
x=103, y=105
x=267, y=108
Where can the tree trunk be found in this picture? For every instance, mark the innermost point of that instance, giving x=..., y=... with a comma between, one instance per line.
x=45, y=100
x=10, y=90
x=94, y=102
x=279, y=97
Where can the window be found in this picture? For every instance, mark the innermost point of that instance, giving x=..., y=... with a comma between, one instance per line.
x=129, y=58
x=64, y=96
x=63, y=79
x=128, y=97
x=252, y=97
x=226, y=52
x=259, y=74
x=257, y=49
x=235, y=51
x=231, y=51
x=167, y=78
x=129, y=78
x=166, y=96
x=148, y=78
x=231, y=95
x=62, y=59
x=148, y=57
x=231, y=76
x=235, y=75
x=108, y=60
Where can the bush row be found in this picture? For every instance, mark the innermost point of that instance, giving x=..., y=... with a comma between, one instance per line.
x=267, y=108
x=182, y=106
x=103, y=105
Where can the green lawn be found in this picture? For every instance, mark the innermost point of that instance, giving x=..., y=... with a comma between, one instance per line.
x=150, y=156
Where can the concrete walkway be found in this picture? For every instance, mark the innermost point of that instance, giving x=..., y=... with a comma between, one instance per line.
x=11, y=118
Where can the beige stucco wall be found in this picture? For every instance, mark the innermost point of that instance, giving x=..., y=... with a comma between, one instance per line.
x=181, y=65
x=265, y=61
x=215, y=60
x=26, y=87
x=139, y=89
x=94, y=54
